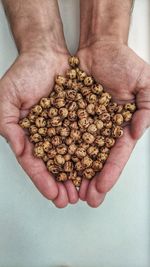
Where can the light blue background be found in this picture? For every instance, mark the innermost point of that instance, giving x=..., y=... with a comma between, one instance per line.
x=33, y=233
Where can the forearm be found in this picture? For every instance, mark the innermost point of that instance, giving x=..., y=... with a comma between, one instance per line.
x=103, y=19
x=35, y=24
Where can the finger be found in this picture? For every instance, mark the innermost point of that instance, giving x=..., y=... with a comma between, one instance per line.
x=93, y=197
x=15, y=137
x=38, y=173
x=140, y=121
x=61, y=201
x=115, y=163
x=71, y=192
x=83, y=189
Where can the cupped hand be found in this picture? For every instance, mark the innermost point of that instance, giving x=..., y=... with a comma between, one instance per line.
x=127, y=78
x=30, y=78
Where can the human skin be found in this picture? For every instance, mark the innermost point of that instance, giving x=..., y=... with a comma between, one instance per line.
x=104, y=54
x=38, y=33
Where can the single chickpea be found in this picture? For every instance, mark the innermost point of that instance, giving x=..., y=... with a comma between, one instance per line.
x=77, y=181
x=117, y=131
x=32, y=117
x=82, y=113
x=81, y=75
x=109, y=142
x=92, y=129
x=42, y=131
x=60, y=80
x=59, y=160
x=99, y=124
x=106, y=132
x=71, y=94
x=66, y=123
x=80, y=152
x=67, y=157
x=35, y=138
x=59, y=102
x=69, y=141
x=78, y=97
x=72, y=106
x=65, y=131
x=74, y=125
x=72, y=175
x=84, y=123
x=62, y=149
x=88, y=173
x=37, y=109
x=91, y=98
x=102, y=156
x=97, y=165
x=56, y=140
x=100, y=109
x=58, y=88
x=105, y=117
x=51, y=153
x=44, y=113
x=56, y=121
x=72, y=115
x=118, y=119
x=75, y=134
x=51, y=131
x=73, y=61
x=86, y=162
x=78, y=166
x=45, y=102
x=25, y=123
x=108, y=125
x=68, y=167
x=112, y=107
x=33, y=129
x=63, y=112
x=62, y=177
x=130, y=107
x=71, y=149
x=88, y=81
x=119, y=108
x=52, y=112
x=71, y=74
x=127, y=115
x=46, y=146
x=82, y=103
x=97, y=89
x=85, y=90
x=90, y=109
x=38, y=152
x=92, y=151
x=88, y=138
x=105, y=149
x=40, y=122
x=74, y=158
x=100, y=141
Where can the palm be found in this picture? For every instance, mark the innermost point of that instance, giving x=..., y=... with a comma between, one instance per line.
x=123, y=74
x=29, y=79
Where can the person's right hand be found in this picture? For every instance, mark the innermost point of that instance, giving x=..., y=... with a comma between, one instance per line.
x=30, y=78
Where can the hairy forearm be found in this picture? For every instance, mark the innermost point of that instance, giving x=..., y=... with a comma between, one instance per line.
x=103, y=19
x=35, y=23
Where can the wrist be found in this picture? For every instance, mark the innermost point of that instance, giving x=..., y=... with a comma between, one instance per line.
x=108, y=20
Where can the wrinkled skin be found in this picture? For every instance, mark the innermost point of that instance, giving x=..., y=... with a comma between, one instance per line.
x=127, y=78
x=30, y=78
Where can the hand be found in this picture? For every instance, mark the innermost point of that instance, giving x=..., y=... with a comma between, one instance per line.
x=30, y=78
x=127, y=78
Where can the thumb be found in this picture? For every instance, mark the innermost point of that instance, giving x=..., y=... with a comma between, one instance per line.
x=15, y=137
x=140, y=122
